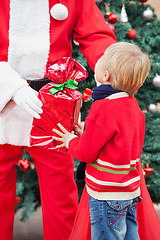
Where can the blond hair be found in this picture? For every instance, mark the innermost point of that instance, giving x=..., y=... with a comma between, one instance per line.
x=127, y=65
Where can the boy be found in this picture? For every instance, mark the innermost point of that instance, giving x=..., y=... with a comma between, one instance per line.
x=112, y=143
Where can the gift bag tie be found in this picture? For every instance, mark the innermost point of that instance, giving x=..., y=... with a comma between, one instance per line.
x=72, y=84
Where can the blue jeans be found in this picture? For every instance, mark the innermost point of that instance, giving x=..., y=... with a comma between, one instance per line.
x=113, y=220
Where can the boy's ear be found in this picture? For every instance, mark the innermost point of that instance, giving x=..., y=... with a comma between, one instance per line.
x=106, y=76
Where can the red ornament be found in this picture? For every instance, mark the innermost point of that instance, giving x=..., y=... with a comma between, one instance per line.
x=112, y=18
x=143, y=1
x=148, y=170
x=87, y=95
x=111, y=26
x=24, y=164
x=131, y=34
x=17, y=200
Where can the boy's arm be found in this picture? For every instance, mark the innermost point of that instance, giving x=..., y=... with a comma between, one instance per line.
x=87, y=147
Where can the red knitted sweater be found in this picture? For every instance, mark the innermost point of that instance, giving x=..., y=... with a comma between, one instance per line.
x=111, y=145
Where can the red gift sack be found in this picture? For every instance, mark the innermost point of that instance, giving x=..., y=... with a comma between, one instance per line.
x=61, y=102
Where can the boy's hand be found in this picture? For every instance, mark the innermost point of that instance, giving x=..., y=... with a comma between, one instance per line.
x=78, y=129
x=65, y=136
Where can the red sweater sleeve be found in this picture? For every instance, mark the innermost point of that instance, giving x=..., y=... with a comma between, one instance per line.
x=91, y=31
x=87, y=147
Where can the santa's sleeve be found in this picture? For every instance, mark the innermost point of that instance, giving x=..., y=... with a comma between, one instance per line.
x=10, y=82
x=91, y=31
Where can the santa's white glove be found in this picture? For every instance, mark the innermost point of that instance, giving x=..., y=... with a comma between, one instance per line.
x=27, y=99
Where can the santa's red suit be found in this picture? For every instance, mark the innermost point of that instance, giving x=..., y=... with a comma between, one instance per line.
x=30, y=37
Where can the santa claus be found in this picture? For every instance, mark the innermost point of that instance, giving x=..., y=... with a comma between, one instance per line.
x=32, y=34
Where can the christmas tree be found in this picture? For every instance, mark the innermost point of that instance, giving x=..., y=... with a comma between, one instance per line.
x=135, y=22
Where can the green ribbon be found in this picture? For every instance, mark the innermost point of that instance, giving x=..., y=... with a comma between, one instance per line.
x=72, y=84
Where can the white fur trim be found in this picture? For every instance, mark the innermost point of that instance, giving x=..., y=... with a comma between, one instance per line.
x=15, y=126
x=10, y=81
x=29, y=37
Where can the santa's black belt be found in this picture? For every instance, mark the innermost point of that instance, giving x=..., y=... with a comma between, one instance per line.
x=37, y=84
